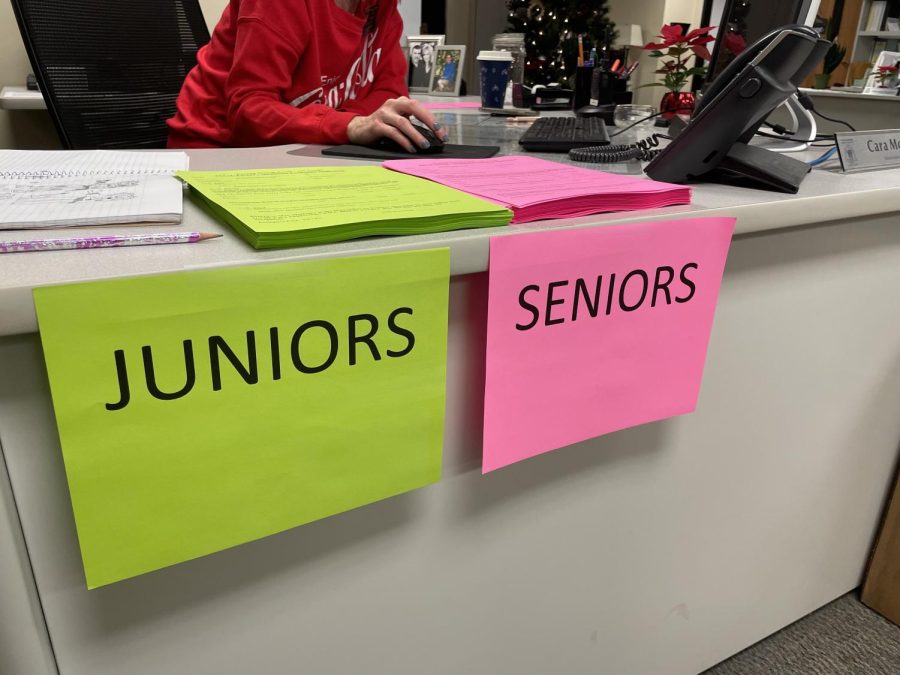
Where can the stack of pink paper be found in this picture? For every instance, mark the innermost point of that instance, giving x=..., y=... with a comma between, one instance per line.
x=536, y=189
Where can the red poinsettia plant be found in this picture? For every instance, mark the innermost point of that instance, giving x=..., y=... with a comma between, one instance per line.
x=676, y=48
x=885, y=74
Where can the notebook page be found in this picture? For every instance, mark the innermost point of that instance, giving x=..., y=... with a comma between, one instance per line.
x=93, y=200
x=39, y=163
x=59, y=188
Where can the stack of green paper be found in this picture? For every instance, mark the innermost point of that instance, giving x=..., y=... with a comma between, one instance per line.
x=273, y=208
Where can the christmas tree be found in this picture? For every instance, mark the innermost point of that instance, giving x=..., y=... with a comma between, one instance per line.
x=552, y=29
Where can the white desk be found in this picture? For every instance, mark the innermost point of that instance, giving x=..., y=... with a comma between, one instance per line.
x=863, y=111
x=661, y=549
x=21, y=98
x=850, y=95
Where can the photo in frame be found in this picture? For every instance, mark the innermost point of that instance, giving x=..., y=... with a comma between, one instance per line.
x=886, y=86
x=447, y=74
x=421, y=54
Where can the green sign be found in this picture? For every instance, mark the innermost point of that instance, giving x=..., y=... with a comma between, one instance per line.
x=201, y=410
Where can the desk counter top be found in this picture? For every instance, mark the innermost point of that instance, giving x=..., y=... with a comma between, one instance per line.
x=856, y=95
x=825, y=196
x=21, y=98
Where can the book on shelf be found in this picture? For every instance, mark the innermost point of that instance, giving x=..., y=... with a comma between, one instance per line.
x=875, y=19
x=67, y=188
x=878, y=46
x=892, y=24
x=274, y=208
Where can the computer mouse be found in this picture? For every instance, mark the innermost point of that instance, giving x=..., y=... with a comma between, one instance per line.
x=436, y=144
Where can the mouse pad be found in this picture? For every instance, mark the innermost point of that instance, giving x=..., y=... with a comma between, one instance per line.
x=451, y=151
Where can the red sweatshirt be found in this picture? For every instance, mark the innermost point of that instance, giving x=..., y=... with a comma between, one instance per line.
x=290, y=71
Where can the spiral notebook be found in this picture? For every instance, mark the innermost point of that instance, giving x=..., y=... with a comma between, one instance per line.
x=67, y=188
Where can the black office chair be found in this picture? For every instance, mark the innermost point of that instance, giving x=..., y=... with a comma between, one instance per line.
x=110, y=70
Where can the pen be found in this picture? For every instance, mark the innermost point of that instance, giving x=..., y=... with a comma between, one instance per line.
x=615, y=66
x=631, y=69
x=108, y=241
x=521, y=120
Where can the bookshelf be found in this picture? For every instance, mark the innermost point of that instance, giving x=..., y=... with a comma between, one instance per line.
x=878, y=29
x=845, y=17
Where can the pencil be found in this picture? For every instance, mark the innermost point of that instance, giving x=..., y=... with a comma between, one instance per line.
x=580, y=51
x=108, y=241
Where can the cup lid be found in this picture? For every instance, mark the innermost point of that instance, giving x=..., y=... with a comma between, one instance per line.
x=489, y=55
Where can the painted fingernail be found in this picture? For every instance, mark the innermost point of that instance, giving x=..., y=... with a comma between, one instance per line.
x=445, y=138
x=425, y=144
x=437, y=125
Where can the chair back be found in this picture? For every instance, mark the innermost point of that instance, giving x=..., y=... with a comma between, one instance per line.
x=110, y=70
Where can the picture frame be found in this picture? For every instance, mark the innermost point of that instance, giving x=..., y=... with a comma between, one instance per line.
x=885, y=58
x=447, y=73
x=420, y=51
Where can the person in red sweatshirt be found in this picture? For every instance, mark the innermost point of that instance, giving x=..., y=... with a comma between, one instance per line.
x=300, y=71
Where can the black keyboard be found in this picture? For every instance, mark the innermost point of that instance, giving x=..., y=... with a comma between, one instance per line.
x=561, y=134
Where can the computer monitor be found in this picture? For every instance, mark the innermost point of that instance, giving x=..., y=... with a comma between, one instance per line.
x=743, y=22
x=715, y=143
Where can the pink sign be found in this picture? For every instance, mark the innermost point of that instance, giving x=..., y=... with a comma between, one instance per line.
x=595, y=330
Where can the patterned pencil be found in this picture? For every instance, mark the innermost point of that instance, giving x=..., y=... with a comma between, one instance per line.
x=107, y=241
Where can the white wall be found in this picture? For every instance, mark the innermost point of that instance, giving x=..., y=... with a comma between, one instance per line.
x=649, y=16
x=212, y=10
x=490, y=19
x=461, y=29
x=411, y=11
x=19, y=128
x=683, y=11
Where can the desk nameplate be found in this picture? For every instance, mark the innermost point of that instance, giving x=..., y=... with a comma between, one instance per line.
x=868, y=150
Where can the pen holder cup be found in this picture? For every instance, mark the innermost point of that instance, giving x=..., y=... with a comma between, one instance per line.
x=583, y=78
x=598, y=87
x=523, y=97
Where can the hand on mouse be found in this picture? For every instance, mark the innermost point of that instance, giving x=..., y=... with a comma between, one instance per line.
x=391, y=120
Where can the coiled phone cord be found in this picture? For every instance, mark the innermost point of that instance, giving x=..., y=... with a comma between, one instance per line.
x=644, y=151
